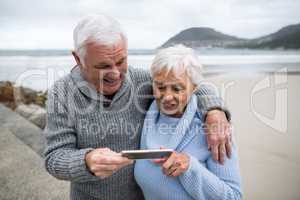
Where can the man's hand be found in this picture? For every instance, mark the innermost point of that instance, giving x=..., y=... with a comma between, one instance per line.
x=175, y=165
x=218, y=135
x=103, y=162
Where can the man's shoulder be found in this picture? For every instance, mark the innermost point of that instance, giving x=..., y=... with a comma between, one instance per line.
x=139, y=74
x=62, y=85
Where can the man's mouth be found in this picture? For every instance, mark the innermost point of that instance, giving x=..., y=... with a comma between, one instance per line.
x=111, y=81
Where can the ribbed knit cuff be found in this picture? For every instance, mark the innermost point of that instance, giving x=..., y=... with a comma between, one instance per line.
x=78, y=169
x=193, y=168
x=211, y=102
x=224, y=109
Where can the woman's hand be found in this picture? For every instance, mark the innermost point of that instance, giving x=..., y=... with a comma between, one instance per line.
x=175, y=165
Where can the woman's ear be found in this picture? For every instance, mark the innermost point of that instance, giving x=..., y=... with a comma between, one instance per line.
x=76, y=57
x=196, y=87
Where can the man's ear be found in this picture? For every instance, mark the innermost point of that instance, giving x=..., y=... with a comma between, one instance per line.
x=76, y=57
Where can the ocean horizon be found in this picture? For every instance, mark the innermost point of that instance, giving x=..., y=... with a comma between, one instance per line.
x=38, y=69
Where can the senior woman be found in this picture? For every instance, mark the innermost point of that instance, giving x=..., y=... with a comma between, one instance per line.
x=172, y=121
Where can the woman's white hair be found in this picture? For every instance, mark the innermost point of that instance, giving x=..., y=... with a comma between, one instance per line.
x=178, y=59
x=96, y=28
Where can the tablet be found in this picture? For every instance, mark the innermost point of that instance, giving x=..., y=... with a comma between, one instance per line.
x=147, y=154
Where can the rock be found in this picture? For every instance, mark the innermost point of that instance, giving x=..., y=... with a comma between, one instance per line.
x=28, y=96
x=7, y=94
x=6, y=91
x=23, y=174
x=23, y=129
x=33, y=113
x=41, y=99
x=27, y=102
x=25, y=95
x=13, y=96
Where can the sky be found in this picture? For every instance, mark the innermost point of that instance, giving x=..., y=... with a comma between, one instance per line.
x=48, y=24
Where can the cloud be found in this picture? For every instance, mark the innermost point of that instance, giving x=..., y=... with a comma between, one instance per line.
x=49, y=23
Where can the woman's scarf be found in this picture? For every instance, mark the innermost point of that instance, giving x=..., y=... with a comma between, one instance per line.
x=154, y=140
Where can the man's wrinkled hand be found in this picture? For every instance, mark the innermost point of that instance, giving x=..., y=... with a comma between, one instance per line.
x=218, y=135
x=103, y=162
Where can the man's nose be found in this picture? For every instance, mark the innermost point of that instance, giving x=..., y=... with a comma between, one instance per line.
x=114, y=72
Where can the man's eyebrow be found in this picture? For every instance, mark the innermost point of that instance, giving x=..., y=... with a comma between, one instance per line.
x=121, y=59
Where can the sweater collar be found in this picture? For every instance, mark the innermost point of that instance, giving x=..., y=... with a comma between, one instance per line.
x=90, y=91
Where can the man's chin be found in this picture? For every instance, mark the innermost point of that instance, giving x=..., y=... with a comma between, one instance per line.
x=111, y=90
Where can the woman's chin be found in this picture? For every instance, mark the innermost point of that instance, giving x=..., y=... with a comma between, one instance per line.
x=169, y=112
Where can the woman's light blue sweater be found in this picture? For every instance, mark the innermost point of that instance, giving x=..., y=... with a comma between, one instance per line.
x=204, y=179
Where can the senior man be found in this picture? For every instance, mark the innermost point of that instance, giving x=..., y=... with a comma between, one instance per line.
x=98, y=110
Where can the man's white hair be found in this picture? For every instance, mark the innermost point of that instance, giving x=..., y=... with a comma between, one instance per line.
x=96, y=28
x=178, y=59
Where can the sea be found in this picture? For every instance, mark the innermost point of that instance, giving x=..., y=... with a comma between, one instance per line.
x=39, y=69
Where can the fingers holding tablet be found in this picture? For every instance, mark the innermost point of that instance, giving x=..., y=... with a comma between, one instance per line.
x=147, y=154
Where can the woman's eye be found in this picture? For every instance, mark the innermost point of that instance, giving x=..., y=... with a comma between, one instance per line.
x=161, y=88
x=177, y=88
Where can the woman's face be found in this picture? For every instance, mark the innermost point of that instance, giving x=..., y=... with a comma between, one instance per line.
x=171, y=92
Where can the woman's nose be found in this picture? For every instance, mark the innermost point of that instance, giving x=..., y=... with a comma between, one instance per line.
x=168, y=96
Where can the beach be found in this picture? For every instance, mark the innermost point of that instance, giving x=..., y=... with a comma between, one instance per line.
x=263, y=101
x=269, y=156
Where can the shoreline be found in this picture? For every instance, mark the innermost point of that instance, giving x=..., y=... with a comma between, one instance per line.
x=206, y=74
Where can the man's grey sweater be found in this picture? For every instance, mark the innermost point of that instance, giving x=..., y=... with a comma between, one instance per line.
x=80, y=119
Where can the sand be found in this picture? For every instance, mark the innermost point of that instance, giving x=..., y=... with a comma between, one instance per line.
x=269, y=150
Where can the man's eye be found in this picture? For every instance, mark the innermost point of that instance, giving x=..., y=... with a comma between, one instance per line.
x=104, y=66
x=120, y=62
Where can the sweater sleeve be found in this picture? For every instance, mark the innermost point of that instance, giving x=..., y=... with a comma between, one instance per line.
x=208, y=99
x=214, y=182
x=63, y=159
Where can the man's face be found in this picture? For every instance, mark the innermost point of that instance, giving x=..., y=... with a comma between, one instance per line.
x=105, y=66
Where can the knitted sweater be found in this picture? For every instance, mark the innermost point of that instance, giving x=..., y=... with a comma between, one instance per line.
x=204, y=179
x=80, y=119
